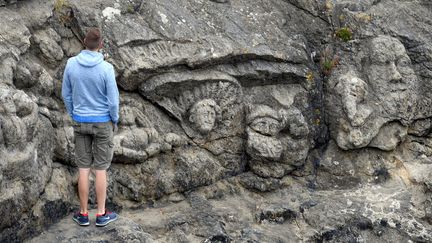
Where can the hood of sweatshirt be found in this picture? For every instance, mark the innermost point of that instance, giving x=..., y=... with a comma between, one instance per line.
x=89, y=58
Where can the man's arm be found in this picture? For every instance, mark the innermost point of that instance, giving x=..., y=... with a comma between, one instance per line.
x=67, y=91
x=112, y=95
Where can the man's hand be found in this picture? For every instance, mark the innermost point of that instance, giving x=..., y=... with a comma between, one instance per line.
x=115, y=128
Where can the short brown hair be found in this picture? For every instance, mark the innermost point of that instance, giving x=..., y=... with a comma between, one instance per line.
x=93, y=39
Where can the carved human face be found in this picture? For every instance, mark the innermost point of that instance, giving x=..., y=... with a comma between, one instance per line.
x=390, y=67
x=390, y=76
x=266, y=125
x=203, y=115
x=7, y=104
x=355, y=89
x=268, y=136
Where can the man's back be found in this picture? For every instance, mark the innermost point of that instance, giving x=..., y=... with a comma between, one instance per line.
x=90, y=82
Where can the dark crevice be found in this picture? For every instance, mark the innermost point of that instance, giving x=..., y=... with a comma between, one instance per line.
x=308, y=12
x=135, y=43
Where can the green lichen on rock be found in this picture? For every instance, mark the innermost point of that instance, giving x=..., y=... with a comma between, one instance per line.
x=345, y=34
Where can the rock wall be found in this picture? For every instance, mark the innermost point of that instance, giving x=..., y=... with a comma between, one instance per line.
x=329, y=95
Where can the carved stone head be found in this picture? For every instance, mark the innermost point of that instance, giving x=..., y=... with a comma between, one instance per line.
x=389, y=67
x=7, y=103
x=277, y=139
x=204, y=115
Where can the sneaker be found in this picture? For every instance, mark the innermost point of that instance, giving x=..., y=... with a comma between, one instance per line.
x=104, y=219
x=81, y=219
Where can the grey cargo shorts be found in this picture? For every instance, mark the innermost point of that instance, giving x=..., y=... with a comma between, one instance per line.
x=94, y=145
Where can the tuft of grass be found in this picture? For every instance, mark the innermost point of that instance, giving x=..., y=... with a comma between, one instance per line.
x=130, y=9
x=345, y=34
x=62, y=10
x=328, y=61
x=60, y=5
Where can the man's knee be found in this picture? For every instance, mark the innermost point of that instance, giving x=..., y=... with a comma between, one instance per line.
x=84, y=170
x=100, y=172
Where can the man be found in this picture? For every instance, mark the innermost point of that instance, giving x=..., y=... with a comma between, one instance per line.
x=91, y=97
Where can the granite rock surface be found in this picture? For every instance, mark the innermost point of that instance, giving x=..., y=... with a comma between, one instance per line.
x=271, y=121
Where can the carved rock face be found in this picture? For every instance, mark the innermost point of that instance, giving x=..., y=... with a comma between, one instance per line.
x=353, y=91
x=203, y=115
x=276, y=137
x=385, y=89
x=390, y=72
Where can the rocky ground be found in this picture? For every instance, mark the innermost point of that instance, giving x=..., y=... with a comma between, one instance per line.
x=229, y=212
x=277, y=121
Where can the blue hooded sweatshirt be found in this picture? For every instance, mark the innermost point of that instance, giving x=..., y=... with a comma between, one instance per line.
x=89, y=89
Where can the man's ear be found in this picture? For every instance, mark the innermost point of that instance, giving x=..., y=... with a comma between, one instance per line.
x=84, y=41
x=100, y=45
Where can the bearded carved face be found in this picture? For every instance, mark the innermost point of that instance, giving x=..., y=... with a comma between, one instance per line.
x=390, y=67
x=204, y=114
x=391, y=77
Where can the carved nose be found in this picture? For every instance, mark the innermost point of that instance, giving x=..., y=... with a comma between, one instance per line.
x=395, y=75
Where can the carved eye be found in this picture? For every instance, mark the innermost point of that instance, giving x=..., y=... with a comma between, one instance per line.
x=265, y=125
x=404, y=62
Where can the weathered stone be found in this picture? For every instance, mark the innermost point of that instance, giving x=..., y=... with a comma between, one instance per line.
x=254, y=182
x=48, y=45
x=420, y=127
x=233, y=116
x=275, y=213
x=389, y=136
x=14, y=40
x=32, y=77
x=126, y=231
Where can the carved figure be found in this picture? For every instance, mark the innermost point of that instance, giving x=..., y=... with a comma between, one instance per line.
x=353, y=91
x=201, y=101
x=137, y=139
x=390, y=75
x=204, y=114
x=387, y=93
x=277, y=140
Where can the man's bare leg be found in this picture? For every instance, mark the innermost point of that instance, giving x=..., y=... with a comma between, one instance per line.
x=83, y=189
x=101, y=187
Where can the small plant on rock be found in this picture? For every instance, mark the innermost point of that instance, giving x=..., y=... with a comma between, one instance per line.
x=328, y=61
x=345, y=34
x=60, y=5
x=130, y=9
x=63, y=11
